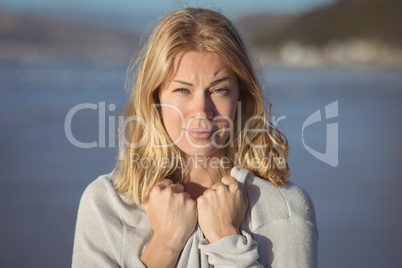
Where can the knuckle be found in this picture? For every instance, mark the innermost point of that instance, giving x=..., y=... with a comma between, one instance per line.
x=234, y=186
x=227, y=179
x=191, y=203
x=201, y=200
x=181, y=196
x=157, y=188
x=177, y=187
x=168, y=192
x=220, y=188
x=186, y=195
x=206, y=193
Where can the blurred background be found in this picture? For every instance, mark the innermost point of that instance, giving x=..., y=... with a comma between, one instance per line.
x=55, y=55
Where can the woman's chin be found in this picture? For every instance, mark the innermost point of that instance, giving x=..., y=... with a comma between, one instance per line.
x=210, y=152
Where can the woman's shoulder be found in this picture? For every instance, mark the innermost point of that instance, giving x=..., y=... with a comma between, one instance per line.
x=298, y=200
x=101, y=197
x=102, y=194
x=99, y=190
x=269, y=203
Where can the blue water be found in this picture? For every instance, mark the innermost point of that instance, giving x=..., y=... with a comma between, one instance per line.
x=358, y=203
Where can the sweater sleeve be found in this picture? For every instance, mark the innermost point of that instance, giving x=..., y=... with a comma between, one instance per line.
x=98, y=229
x=232, y=251
x=288, y=243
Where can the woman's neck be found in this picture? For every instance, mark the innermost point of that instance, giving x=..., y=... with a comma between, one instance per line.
x=204, y=172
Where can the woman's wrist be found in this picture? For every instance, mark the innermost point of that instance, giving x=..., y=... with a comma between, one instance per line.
x=171, y=243
x=224, y=233
x=161, y=252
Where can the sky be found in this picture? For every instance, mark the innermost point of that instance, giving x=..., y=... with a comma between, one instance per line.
x=126, y=6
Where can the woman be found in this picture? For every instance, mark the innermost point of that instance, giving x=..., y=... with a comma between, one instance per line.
x=202, y=179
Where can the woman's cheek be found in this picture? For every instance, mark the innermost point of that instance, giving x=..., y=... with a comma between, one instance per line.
x=172, y=121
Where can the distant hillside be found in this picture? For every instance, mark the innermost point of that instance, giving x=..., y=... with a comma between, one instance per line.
x=361, y=32
x=255, y=25
x=28, y=39
x=379, y=20
x=358, y=33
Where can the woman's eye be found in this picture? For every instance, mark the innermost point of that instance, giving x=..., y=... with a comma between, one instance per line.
x=220, y=90
x=181, y=90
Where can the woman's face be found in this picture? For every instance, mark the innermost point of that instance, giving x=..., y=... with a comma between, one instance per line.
x=199, y=103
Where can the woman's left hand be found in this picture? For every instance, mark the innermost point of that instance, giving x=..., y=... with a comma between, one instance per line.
x=221, y=209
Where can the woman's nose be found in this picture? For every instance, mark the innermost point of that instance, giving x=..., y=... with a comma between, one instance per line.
x=202, y=107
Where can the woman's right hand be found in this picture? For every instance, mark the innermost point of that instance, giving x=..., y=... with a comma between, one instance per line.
x=173, y=217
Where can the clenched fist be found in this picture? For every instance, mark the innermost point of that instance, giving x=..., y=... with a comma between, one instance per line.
x=173, y=217
x=221, y=209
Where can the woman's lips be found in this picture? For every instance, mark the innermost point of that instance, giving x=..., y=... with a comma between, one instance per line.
x=200, y=134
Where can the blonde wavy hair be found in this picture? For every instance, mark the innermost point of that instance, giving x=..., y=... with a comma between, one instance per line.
x=263, y=152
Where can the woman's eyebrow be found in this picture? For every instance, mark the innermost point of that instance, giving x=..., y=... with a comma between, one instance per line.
x=182, y=82
x=211, y=85
x=219, y=81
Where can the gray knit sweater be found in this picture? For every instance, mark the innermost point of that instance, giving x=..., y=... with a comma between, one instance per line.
x=279, y=230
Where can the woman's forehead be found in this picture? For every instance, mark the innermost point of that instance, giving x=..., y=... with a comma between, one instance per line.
x=190, y=63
